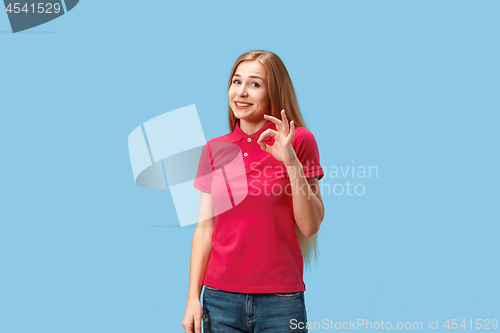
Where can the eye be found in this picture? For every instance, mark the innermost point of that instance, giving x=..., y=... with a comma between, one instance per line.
x=235, y=81
x=256, y=84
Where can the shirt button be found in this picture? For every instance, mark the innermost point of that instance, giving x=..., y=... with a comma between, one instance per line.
x=249, y=139
x=245, y=154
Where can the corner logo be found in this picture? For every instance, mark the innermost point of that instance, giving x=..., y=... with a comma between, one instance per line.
x=28, y=14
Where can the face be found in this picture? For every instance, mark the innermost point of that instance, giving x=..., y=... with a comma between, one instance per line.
x=248, y=93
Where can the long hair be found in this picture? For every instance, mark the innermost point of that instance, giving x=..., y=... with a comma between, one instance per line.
x=282, y=96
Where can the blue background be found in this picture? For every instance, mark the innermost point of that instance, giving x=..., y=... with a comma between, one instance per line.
x=409, y=87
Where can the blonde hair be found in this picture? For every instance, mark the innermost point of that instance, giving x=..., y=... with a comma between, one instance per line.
x=282, y=96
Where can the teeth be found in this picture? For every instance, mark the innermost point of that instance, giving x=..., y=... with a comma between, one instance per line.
x=242, y=104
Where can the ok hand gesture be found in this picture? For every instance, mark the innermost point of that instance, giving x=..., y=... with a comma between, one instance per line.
x=282, y=149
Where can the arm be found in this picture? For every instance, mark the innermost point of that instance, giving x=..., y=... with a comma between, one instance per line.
x=201, y=248
x=308, y=208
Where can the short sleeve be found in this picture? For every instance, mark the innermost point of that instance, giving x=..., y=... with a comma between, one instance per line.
x=203, y=181
x=307, y=152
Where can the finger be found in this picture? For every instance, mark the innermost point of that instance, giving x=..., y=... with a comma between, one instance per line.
x=291, y=134
x=286, y=128
x=193, y=324
x=197, y=325
x=274, y=120
x=267, y=132
x=292, y=131
x=188, y=328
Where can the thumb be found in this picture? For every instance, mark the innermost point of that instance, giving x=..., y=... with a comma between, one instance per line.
x=264, y=146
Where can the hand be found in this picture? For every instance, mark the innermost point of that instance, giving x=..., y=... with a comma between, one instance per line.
x=282, y=149
x=192, y=317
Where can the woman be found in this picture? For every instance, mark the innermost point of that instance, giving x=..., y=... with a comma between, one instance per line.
x=255, y=232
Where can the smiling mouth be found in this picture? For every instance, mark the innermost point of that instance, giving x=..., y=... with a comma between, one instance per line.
x=242, y=104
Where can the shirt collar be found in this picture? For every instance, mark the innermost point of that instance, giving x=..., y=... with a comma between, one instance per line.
x=238, y=134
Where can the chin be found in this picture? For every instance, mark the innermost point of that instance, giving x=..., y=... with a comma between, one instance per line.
x=238, y=114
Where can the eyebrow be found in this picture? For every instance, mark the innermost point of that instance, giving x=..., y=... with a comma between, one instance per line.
x=256, y=77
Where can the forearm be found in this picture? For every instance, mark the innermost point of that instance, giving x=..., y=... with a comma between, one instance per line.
x=307, y=207
x=200, y=253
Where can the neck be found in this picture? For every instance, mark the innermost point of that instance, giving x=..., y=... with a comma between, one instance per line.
x=250, y=127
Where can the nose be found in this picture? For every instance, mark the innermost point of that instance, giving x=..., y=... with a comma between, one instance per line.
x=242, y=91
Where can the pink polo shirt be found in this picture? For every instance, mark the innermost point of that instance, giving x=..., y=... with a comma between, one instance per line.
x=255, y=248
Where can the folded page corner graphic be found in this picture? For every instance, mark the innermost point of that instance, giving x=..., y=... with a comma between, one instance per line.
x=184, y=160
x=164, y=141
x=25, y=15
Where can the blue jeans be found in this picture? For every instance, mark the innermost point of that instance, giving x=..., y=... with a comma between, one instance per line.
x=228, y=312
